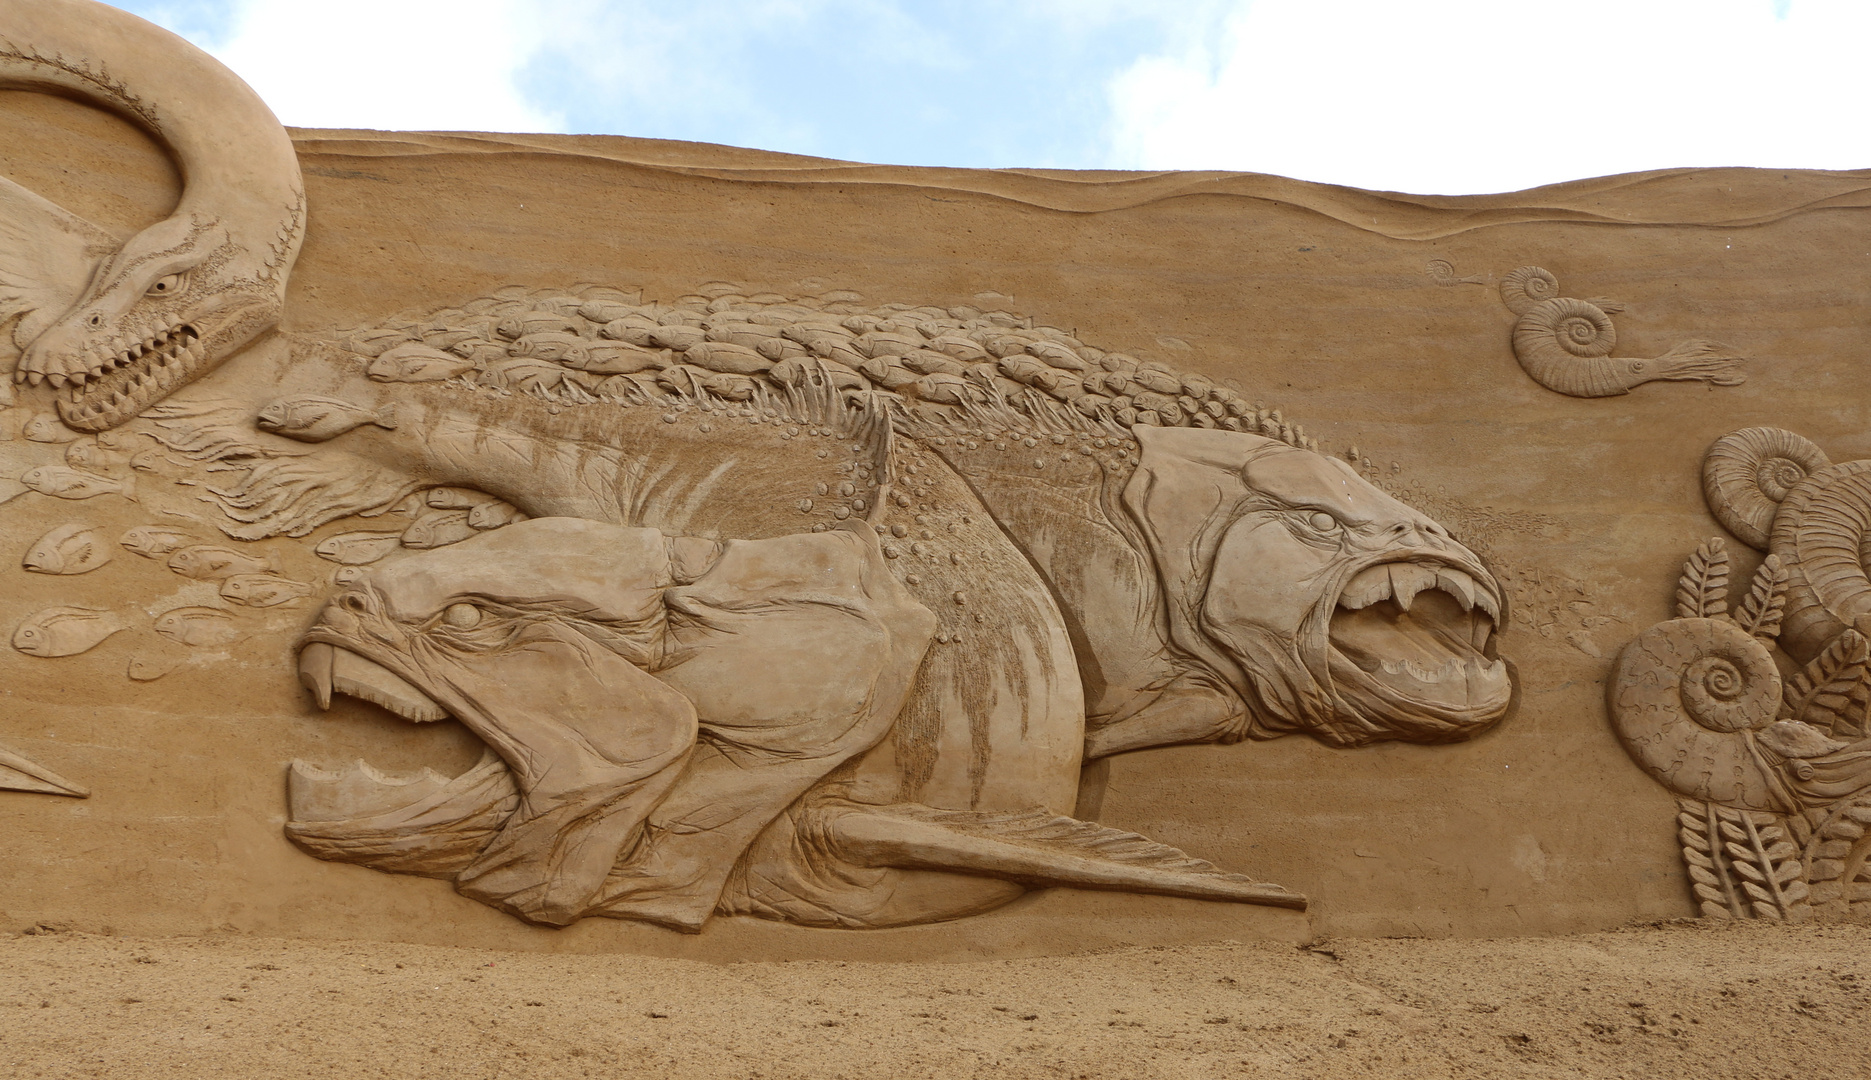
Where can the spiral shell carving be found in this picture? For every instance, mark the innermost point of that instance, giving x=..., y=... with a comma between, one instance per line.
x=1579, y=328
x=1685, y=697
x=1747, y=474
x=1821, y=534
x=1527, y=286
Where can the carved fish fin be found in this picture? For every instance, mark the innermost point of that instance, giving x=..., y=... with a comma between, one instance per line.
x=47, y=255
x=1038, y=847
x=386, y=417
x=19, y=774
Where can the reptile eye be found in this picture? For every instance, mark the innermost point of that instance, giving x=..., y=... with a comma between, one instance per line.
x=1323, y=521
x=462, y=616
x=168, y=285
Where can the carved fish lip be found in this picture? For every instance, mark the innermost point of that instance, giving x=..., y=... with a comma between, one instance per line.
x=115, y=390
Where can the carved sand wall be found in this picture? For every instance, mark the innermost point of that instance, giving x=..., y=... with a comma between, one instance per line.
x=609, y=544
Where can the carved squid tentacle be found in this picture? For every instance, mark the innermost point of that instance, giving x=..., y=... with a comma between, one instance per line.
x=1685, y=697
x=1820, y=535
x=185, y=293
x=1747, y=474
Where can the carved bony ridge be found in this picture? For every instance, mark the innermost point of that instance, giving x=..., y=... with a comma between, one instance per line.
x=1565, y=344
x=179, y=297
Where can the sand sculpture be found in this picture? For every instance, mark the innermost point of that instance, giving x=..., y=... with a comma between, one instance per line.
x=791, y=603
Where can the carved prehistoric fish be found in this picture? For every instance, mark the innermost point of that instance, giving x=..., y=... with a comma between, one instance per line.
x=154, y=541
x=46, y=428
x=72, y=548
x=358, y=548
x=436, y=528
x=65, y=631
x=317, y=419
x=65, y=483
x=197, y=626
x=263, y=590
x=204, y=562
x=414, y=363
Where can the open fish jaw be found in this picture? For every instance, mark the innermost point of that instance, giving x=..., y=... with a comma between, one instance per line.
x=1421, y=627
x=327, y=669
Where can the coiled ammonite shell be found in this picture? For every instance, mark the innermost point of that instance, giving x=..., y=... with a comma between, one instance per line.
x=1747, y=474
x=1521, y=289
x=1579, y=328
x=1683, y=698
x=1821, y=534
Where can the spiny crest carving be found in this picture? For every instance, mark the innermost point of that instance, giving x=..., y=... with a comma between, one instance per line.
x=1566, y=343
x=1758, y=717
x=961, y=367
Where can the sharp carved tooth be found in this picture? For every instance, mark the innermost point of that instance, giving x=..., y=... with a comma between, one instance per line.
x=1485, y=601
x=1478, y=633
x=1406, y=580
x=1365, y=588
x=1458, y=585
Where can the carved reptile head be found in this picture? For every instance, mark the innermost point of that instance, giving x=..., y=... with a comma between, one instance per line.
x=1329, y=606
x=184, y=294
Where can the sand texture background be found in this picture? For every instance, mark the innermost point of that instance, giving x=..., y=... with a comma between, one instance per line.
x=1683, y=1000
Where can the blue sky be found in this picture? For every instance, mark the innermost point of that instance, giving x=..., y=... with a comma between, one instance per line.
x=1438, y=96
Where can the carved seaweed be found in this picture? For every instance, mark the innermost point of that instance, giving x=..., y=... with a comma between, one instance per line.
x=1831, y=692
x=1702, y=591
x=1760, y=611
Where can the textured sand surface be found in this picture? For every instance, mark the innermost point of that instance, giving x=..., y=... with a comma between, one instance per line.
x=1676, y=1001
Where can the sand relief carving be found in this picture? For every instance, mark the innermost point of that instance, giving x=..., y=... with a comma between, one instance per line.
x=792, y=607
x=1565, y=344
x=1756, y=717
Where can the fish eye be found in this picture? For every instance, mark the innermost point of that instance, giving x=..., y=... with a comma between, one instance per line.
x=168, y=285
x=462, y=616
x=1322, y=521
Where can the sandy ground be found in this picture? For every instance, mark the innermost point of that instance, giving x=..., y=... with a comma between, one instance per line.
x=1673, y=1001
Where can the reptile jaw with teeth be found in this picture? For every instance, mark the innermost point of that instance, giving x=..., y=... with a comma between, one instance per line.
x=119, y=387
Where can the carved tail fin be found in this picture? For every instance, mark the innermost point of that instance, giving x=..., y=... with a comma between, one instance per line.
x=1038, y=847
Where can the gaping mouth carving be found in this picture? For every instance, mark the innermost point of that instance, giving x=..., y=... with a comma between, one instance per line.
x=1422, y=630
x=116, y=388
x=326, y=669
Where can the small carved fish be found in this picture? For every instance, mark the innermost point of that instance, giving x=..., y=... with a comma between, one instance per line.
x=47, y=428
x=348, y=576
x=205, y=563
x=357, y=548
x=416, y=363
x=197, y=626
x=263, y=590
x=437, y=528
x=316, y=419
x=493, y=515
x=68, y=549
x=65, y=631
x=63, y=483
x=154, y=541
x=89, y=456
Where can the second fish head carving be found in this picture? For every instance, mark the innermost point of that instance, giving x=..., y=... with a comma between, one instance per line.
x=1331, y=607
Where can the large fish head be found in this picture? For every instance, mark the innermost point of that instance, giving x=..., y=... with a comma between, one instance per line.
x=515, y=632
x=174, y=302
x=1329, y=606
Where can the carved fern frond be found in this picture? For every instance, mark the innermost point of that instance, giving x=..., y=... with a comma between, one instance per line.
x=1702, y=591
x=1831, y=692
x=1759, y=613
x=1716, y=893
x=1766, y=864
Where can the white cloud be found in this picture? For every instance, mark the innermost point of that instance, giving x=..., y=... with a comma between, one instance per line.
x=392, y=64
x=1483, y=95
